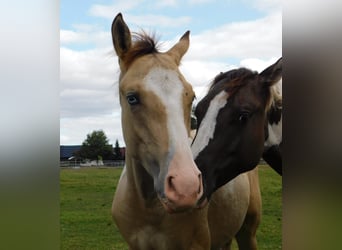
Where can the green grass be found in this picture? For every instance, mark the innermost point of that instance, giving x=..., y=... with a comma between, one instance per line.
x=269, y=232
x=85, y=202
x=86, y=196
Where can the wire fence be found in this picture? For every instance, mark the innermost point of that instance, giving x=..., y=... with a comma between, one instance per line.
x=105, y=163
x=79, y=164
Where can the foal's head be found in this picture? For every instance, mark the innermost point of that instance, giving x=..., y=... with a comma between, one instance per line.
x=231, y=124
x=156, y=102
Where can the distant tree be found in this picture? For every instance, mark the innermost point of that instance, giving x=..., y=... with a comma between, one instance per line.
x=117, y=151
x=96, y=146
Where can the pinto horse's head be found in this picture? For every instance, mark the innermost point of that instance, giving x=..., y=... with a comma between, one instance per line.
x=231, y=121
x=156, y=102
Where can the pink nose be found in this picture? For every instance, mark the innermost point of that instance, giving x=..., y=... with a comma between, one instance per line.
x=183, y=185
x=183, y=191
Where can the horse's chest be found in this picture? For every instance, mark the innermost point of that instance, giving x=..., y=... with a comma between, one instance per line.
x=148, y=237
x=180, y=238
x=175, y=232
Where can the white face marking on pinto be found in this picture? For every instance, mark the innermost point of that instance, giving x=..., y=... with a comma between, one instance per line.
x=169, y=88
x=275, y=130
x=274, y=134
x=207, y=128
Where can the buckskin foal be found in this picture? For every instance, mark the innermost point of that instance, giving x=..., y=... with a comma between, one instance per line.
x=160, y=177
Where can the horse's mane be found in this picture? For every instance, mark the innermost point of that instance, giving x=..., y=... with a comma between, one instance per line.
x=143, y=44
x=234, y=79
x=277, y=99
x=274, y=109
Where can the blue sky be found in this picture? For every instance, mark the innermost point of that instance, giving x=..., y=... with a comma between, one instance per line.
x=201, y=15
x=196, y=15
x=224, y=35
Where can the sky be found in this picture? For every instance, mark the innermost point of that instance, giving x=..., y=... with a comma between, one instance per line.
x=224, y=34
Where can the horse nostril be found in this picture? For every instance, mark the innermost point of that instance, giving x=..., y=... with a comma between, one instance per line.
x=169, y=182
x=200, y=183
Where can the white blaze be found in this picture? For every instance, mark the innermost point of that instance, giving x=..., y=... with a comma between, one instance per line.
x=169, y=88
x=207, y=128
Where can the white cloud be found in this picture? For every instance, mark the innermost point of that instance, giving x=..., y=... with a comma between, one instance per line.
x=257, y=64
x=79, y=36
x=268, y=6
x=155, y=20
x=158, y=20
x=89, y=96
x=166, y=3
x=252, y=44
x=88, y=83
x=259, y=39
x=88, y=69
x=200, y=73
x=109, y=11
x=149, y=20
x=195, y=2
x=69, y=36
x=74, y=130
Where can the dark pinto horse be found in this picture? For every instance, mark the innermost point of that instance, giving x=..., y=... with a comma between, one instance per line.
x=231, y=120
x=157, y=201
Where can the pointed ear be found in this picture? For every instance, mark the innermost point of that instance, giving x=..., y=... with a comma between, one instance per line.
x=180, y=48
x=121, y=36
x=273, y=73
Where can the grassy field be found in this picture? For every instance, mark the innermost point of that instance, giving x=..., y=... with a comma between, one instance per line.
x=85, y=201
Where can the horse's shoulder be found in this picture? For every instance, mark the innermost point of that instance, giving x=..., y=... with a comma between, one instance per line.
x=235, y=190
x=227, y=209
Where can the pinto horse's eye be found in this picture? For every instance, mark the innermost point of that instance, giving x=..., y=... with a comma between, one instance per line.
x=132, y=99
x=243, y=117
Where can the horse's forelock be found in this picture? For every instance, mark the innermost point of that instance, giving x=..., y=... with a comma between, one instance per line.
x=143, y=44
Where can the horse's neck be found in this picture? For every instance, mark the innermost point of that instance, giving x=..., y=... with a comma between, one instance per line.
x=139, y=181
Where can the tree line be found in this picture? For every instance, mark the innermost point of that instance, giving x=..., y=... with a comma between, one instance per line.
x=96, y=147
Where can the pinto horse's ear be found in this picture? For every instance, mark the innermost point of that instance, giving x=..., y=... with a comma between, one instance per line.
x=273, y=73
x=180, y=48
x=121, y=36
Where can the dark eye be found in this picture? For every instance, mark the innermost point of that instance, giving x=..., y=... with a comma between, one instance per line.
x=243, y=117
x=132, y=99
